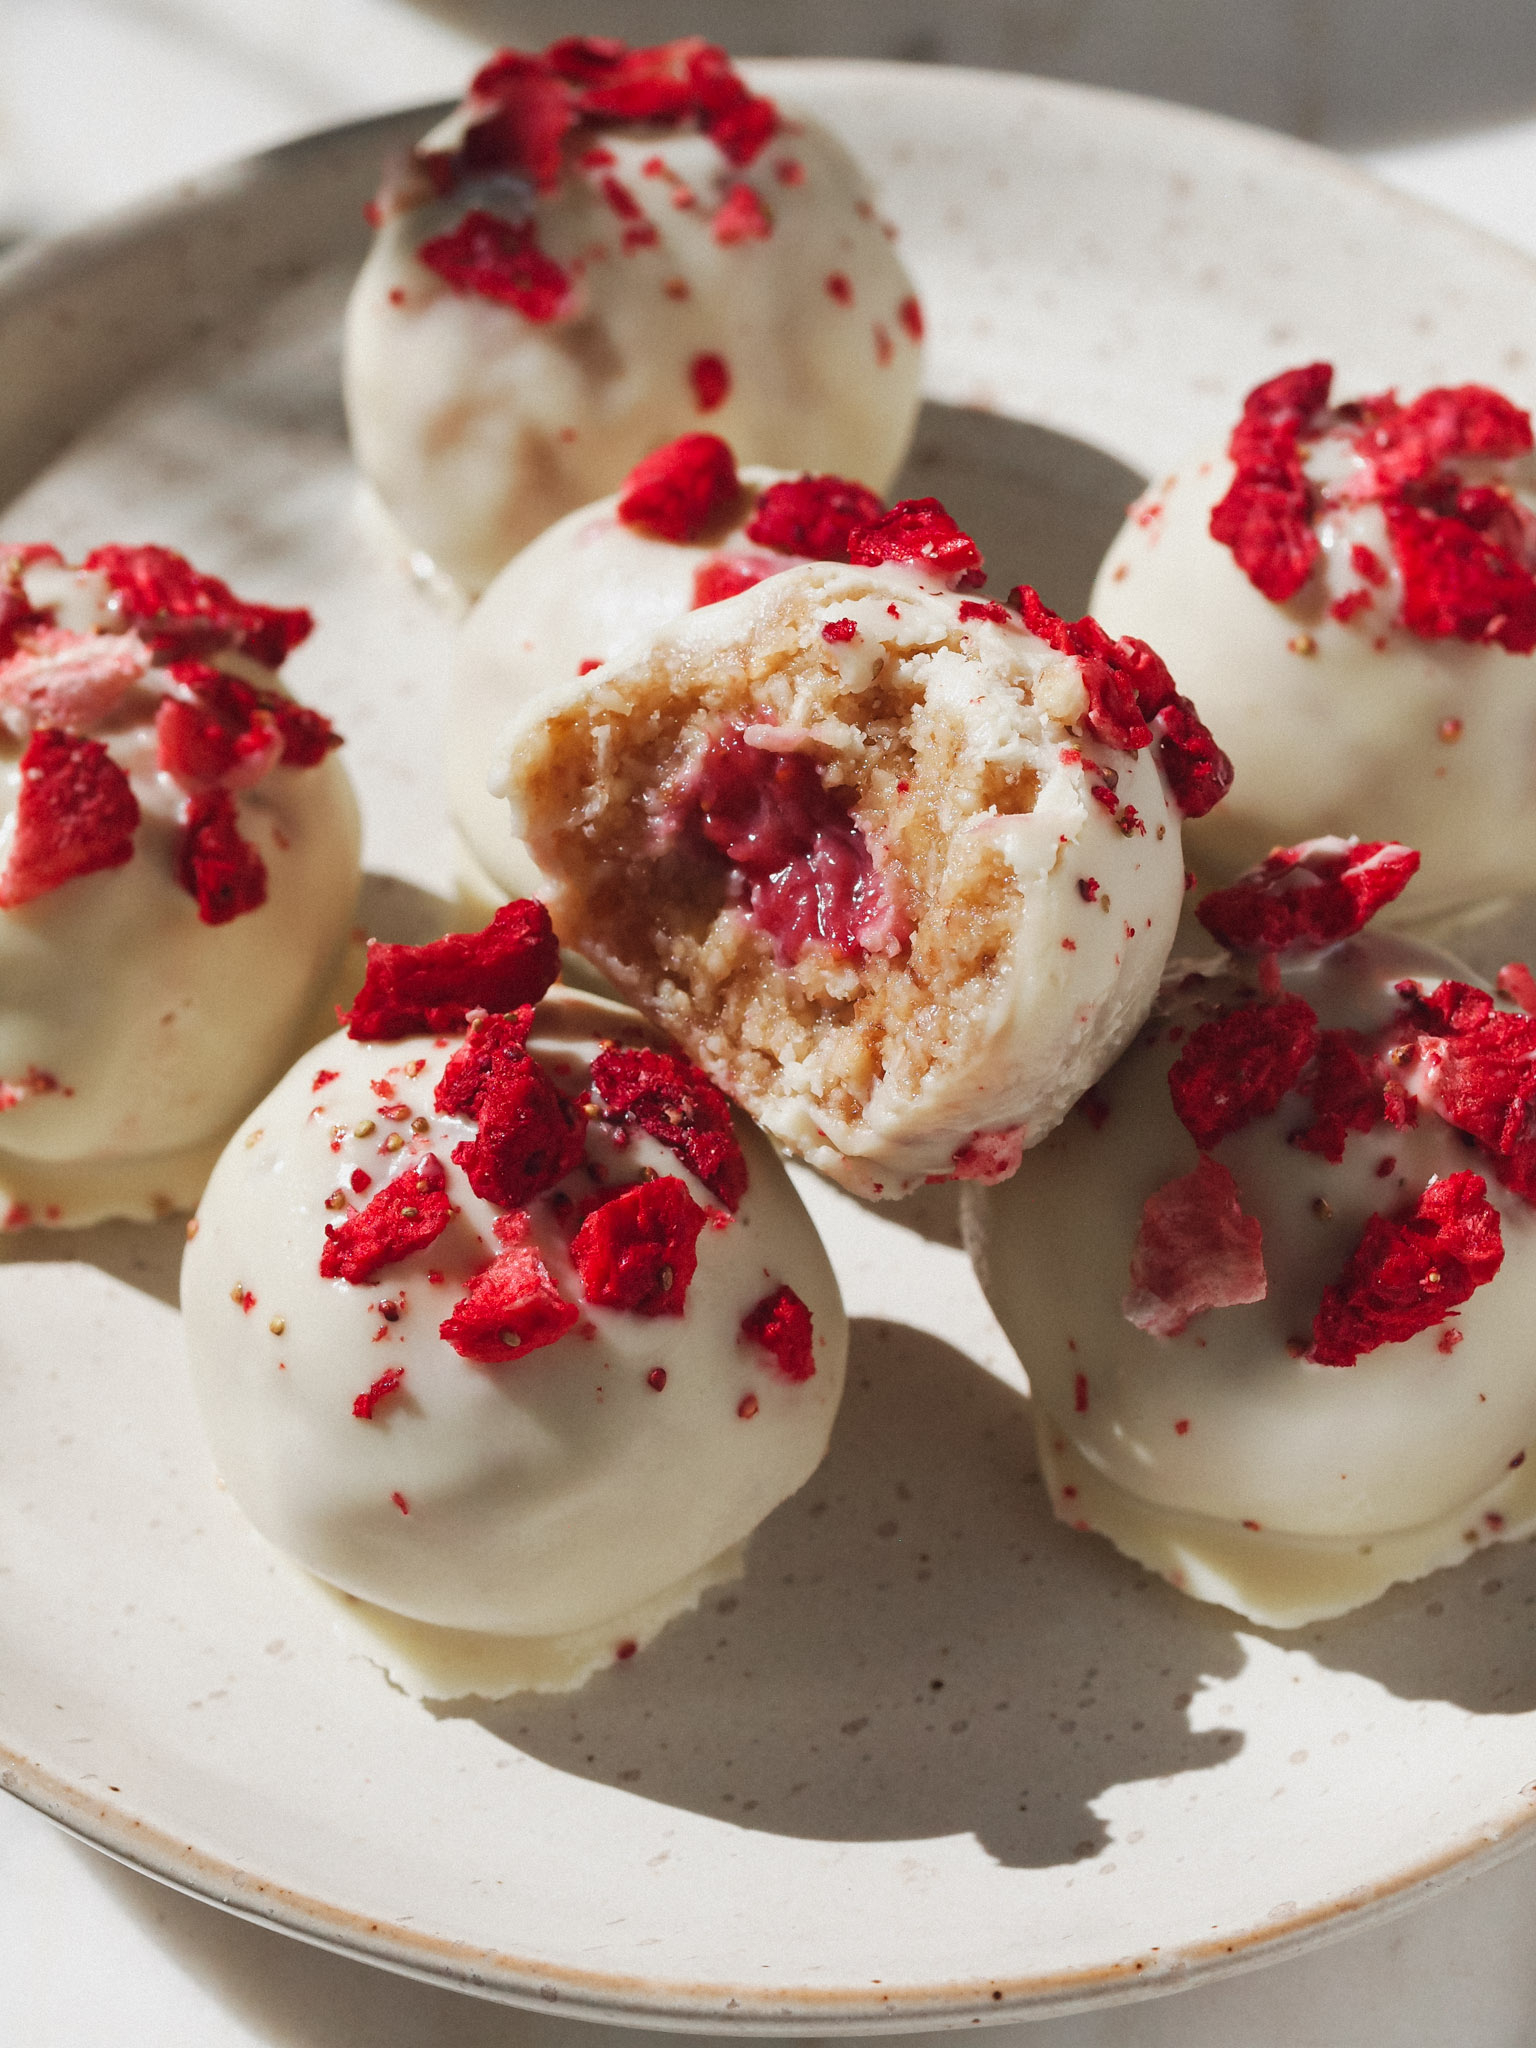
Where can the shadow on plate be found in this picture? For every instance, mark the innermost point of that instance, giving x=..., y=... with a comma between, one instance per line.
x=917, y=1650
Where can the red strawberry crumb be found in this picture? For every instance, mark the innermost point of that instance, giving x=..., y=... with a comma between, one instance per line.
x=530, y=1135
x=75, y=815
x=1407, y=1274
x=1308, y=896
x=401, y=1503
x=910, y=314
x=674, y=1102
x=1087, y=888
x=840, y=631
x=1346, y=1096
x=1353, y=601
x=747, y=1407
x=656, y=1378
x=1080, y=1393
x=780, y=1324
x=723, y=576
x=1239, y=1065
x=741, y=217
x=1448, y=1341
x=637, y=1252
x=361, y=1180
x=839, y=288
x=625, y=1650
x=323, y=1079
x=813, y=516
x=621, y=199
x=178, y=609
x=919, y=531
x=789, y=171
x=1181, y=1427
x=433, y=987
x=585, y=668
x=224, y=872
x=709, y=375
x=500, y=260
x=405, y=1216
x=681, y=490
x=1518, y=984
x=510, y=1308
x=885, y=348
x=1195, y=1250
x=386, y=1384
x=1367, y=563
x=995, y=614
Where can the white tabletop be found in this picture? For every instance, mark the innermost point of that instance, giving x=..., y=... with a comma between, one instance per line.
x=91, y=1954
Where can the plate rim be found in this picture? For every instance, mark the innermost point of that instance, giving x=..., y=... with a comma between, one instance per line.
x=69, y=261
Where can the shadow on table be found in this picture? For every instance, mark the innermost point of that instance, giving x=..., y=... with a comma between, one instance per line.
x=918, y=1649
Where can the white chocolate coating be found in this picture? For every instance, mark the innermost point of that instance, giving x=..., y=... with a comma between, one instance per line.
x=1328, y=731
x=578, y=594
x=157, y=1029
x=1073, y=974
x=546, y=1496
x=479, y=428
x=1354, y=1476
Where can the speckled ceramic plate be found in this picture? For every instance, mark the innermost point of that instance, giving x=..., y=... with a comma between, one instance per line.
x=934, y=1760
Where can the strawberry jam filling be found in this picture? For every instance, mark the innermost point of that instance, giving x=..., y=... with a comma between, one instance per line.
x=796, y=856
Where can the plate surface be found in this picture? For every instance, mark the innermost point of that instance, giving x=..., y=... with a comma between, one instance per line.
x=934, y=1759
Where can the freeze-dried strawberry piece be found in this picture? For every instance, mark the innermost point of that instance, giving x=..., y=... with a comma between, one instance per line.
x=1195, y=1250
x=529, y=1135
x=178, y=609
x=1407, y=1273
x=676, y=1103
x=434, y=987
x=738, y=122
x=1308, y=896
x=1458, y=582
x=218, y=733
x=530, y=112
x=466, y=1074
x=1480, y=1074
x=510, y=1308
x=1266, y=516
x=386, y=1384
x=405, y=1216
x=70, y=680
x=813, y=516
x=725, y=576
x=1518, y=983
x=75, y=814
x=20, y=620
x=637, y=1251
x=709, y=375
x=780, y=1324
x=681, y=490
x=1406, y=443
x=213, y=863
x=1239, y=1065
x=919, y=531
x=741, y=217
x=500, y=260
x=1347, y=1095
x=1196, y=770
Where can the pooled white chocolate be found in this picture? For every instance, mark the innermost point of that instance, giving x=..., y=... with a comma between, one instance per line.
x=948, y=956
x=134, y=1034
x=547, y=1496
x=1351, y=724
x=1222, y=1457
x=783, y=321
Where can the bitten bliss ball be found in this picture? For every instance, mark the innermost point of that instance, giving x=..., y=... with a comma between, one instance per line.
x=1349, y=594
x=497, y=1317
x=898, y=866
x=178, y=866
x=599, y=249
x=1274, y=1282
x=685, y=529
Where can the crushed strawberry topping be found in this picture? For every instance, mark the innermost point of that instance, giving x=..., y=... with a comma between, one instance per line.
x=680, y=491
x=69, y=680
x=500, y=260
x=677, y=1104
x=386, y=1384
x=1408, y=1273
x=1308, y=896
x=1236, y=1067
x=1266, y=516
x=508, y=1309
x=741, y=217
x=813, y=516
x=469, y=1071
x=1346, y=1094
x=1517, y=982
x=434, y=987
x=637, y=1252
x=405, y=1216
x=780, y=1324
x=1478, y=1072
x=75, y=814
x=530, y=1135
x=990, y=1156
x=920, y=532
x=1132, y=702
x=710, y=376
x=224, y=872
x=723, y=576
x=178, y=610
x=1195, y=1250
x=795, y=847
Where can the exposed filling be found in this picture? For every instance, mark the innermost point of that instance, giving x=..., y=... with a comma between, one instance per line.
x=790, y=867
